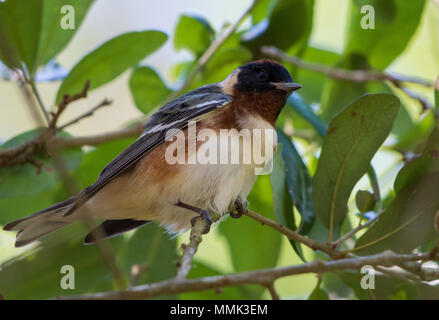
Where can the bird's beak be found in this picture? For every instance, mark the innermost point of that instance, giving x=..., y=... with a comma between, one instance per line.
x=288, y=87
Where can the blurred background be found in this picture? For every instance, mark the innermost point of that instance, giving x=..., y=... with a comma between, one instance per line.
x=219, y=253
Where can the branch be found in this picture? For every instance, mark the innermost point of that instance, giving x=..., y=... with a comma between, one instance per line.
x=351, y=233
x=104, y=103
x=293, y=235
x=93, y=140
x=66, y=100
x=353, y=75
x=260, y=277
x=342, y=74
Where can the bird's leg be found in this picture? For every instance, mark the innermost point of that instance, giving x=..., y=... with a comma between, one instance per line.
x=239, y=208
x=203, y=214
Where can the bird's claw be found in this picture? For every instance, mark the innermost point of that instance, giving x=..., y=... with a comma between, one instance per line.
x=204, y=214
x=239, y=209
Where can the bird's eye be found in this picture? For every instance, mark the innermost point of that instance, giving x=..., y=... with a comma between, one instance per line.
x=263, y=76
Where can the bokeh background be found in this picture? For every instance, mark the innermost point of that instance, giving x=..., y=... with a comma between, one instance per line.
x=109, y=18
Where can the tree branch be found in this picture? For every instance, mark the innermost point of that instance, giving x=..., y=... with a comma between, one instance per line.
x=259, y=277
x=351, y=233
x=293, y=235
x=342, y=74
x=89, y=113
x=353, y=75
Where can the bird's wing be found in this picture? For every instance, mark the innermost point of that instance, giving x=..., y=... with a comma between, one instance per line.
x=175, y=114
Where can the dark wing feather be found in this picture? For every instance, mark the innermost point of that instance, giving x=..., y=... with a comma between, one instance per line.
x=175, y=114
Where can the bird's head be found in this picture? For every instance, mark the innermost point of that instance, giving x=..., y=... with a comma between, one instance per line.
x=261, y=76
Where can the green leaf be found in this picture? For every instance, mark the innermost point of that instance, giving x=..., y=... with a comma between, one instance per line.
x=407, y=221
x=298, y=182
x=148, y=89
x=318, y=294
x=153, y=250
x=395, y=23
x=53, y=38
x=247, y=235
x=111, y=59
x=436, y=92
x=296, y=102
x=428, y=162
x=389, y=288
x=353, y=138
x=193, y=33
x=24, y=180
x=31, y=33
x=20, y=25
x=95, y=160
x=289, y=25
x=282, y=202
x=365, y=201
x=13, y=208
x=262, y=10
x=37, y=273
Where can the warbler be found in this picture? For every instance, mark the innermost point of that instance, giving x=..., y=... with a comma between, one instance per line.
x=141, y=184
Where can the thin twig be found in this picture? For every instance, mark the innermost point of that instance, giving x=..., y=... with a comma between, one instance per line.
x=353, y=75
x=272, y=291
x=259, y=277
x=89, y=113
x=342, y=74
x=293, y=235
x=93, y=140
x=351, y=233
x=66, y=100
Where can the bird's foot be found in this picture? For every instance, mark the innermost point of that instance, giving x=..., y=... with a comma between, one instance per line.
x=205, y=215
x=239, y=208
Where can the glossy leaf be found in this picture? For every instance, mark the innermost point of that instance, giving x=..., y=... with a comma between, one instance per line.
x=407, y=222
x=20, y=25
x=395, y=23
x=37, y=274
x=111, y=59
x=298, y=182
x=389, y=288
x=296, y=102
x=289, y=24
x=154, y=251
x=148, y=89
x=353, y=138
x=53, y=37
x=24, y=180
x=193, y=33
x=318, y=294
x=282, y=202
x=32, y=32
x=95, y=160
x=365, y=201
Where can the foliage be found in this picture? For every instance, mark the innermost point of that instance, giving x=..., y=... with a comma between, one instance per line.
x=328, y=136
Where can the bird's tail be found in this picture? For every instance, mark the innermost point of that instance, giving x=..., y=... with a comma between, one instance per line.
x=42, y=223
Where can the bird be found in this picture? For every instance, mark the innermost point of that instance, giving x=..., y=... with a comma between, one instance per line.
x=140, y=185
